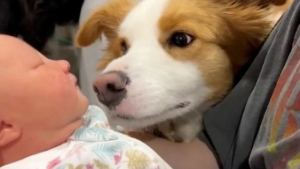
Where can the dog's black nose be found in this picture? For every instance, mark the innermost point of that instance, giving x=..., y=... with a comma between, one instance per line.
x=111, y=88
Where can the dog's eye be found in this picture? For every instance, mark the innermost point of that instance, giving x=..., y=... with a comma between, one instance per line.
x=124, y=47
x=180, y=39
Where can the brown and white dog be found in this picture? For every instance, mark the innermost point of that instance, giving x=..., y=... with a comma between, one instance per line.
x=168, y=61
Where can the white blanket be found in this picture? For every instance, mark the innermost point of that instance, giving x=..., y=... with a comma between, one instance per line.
x=95, y=145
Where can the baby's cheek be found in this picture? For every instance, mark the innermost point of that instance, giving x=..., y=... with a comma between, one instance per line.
x=60, y=90
x=67, y=91
x=57, y=88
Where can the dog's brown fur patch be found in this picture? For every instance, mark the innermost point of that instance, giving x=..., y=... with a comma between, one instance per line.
x=225, y=37
x=105, y=19
x=113, y=51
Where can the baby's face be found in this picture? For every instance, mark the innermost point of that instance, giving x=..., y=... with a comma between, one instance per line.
x=38, y=93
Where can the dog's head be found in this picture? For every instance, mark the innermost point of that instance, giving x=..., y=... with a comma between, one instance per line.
x=166, y=58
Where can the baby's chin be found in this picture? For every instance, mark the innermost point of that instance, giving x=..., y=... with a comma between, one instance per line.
x=83, y=104
x=67, y=131
x=76, y=124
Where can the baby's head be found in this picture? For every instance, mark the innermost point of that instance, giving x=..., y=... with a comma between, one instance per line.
x=40, y=103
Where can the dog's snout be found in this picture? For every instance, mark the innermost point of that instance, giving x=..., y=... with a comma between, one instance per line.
x=111, y=87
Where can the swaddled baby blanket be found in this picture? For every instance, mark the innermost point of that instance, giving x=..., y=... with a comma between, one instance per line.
x=94, y=146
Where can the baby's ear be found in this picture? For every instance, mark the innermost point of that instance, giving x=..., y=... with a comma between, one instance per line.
x=9, y=132
x=105, y=19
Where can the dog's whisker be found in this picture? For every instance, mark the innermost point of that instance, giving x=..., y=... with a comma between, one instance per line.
x=196, y=112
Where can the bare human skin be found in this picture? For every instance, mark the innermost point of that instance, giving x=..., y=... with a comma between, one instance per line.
x=41, y=104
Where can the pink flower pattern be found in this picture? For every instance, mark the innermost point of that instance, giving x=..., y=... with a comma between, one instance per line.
x=89, y=166
x=118, y=158
x=79, y=154
x=77, y=150
x=53, y=163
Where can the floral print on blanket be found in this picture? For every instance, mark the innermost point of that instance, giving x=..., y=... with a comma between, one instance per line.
x=96, y=146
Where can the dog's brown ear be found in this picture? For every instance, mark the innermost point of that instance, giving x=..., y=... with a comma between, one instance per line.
x=248, y=27
x=105, y=19
x=250, y=21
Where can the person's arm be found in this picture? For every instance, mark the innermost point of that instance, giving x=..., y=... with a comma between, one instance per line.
x=194, y=155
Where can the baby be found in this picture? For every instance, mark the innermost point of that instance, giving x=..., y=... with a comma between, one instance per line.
x=46, y=123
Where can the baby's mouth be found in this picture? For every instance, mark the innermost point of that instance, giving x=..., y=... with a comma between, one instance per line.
x=73, y=78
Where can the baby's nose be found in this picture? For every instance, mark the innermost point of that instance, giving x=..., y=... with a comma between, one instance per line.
x=64, y=65
x=110, y=87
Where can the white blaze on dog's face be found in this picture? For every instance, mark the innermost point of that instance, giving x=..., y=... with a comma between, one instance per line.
x=159, y=83
x=178, y=56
